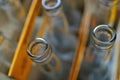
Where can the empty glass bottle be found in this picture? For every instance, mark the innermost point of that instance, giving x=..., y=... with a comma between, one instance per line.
x=98, y=62
x=58, y=34
x=58, y=28
x=39, y=50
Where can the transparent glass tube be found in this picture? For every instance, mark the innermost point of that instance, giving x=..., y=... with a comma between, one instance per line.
x=98, y=58
x=39, y=50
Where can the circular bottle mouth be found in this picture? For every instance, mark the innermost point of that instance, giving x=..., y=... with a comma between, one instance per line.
x=51, y=4
x=39, y=50
x=103, y=36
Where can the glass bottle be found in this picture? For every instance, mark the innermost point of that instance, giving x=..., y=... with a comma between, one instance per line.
x=9, y=22
x=57, y=31
x=98, y=62
x=106, y=12
x=40, y=51
x=58, y=34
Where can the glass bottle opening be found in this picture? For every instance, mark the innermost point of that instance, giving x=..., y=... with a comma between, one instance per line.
x=104, y=36
x=51, y=4
x=39, y=50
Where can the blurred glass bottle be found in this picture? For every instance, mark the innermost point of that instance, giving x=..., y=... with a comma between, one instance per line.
x=106, y=12
x=11, y=24
x=98, y=62
x=15, y=6
x=7, y=48
x=58, y=34
x=58, y=30
x=40, y=51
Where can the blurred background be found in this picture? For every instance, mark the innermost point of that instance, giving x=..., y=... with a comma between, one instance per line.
x=81, y=15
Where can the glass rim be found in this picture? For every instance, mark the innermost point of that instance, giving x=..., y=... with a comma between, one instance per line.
x=39, y=58
x=57, y=5
x=111, y=30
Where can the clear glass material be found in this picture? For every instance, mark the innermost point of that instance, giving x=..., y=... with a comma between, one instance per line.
x=98, y=62
x=58, y=29
x=73, y=15
x=58, y=35
x=40, y=51
x=106, y=12
x=11, y=25
x=15, y=4
x=7, y=48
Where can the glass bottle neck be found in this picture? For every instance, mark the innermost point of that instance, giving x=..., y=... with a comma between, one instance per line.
x=57, y=19
x=55, y=16
x=102, y=41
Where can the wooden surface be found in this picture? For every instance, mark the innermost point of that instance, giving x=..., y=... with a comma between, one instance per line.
x=21, y=64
